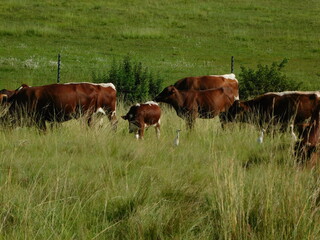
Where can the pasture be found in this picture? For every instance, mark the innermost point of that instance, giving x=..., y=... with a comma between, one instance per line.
x=80, y=183
x=175, y=38
x=76, y=182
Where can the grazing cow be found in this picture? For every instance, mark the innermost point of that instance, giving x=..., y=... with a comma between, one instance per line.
x=141, y=116
x=209, y=82
x=276, y=107
x=306, y=148
x=197, y=103
x=62, y=102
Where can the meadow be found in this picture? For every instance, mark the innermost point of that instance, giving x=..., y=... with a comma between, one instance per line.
x=175, y=38
x=76, y=182
x=92, y=183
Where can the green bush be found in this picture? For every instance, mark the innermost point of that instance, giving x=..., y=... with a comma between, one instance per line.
x=134, y=82
x=265, y=79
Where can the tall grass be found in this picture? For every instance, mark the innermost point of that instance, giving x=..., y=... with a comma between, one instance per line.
x=91, y=183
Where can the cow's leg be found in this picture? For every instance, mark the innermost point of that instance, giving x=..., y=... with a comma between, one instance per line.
x=113, y=120
x=190, y=123
x=157, y=127
x=141, y=132
x=223, y=117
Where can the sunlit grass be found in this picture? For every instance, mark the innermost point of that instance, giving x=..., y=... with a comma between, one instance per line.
x=80, y=182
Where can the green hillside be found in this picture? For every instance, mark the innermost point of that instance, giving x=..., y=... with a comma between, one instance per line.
x=174, y=38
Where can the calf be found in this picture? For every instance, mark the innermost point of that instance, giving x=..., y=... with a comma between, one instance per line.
x=192, y=104
x=141, y=116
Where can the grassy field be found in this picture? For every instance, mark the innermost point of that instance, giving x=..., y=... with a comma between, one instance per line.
x=174, y=38
x=80, y=183
x=91, y=183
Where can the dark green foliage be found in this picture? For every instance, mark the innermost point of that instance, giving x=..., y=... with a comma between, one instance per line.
x=265, y=79
x=134, y=82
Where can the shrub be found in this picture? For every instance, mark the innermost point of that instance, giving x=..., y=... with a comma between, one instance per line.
x=265, y=79
x=134, y=82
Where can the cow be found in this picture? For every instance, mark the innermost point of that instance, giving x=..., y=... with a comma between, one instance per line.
x=209, y=82
x=141, y=116
x=62, y=102
x=306, y=148
x=284, y=108
x=192, y=104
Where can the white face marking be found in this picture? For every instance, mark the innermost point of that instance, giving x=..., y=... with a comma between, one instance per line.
x=100, y=84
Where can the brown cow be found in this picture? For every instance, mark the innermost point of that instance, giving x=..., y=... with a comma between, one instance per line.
x=209, y=82
x=62, y=102
x=277, y=107
x=197, y=103
x=305, y=148
x=141, y=116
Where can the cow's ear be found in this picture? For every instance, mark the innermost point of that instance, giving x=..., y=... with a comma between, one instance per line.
x=125, y=117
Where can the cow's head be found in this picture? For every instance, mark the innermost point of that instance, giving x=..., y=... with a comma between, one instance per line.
x=166, y=95
x=130, y=116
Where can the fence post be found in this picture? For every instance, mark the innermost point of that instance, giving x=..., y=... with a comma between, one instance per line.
x=232, y=63
x=59, y=64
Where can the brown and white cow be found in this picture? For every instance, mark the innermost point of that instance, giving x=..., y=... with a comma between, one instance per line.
x=282, y=108
x=141, y=116
x=209, y=82
x=193, y=104
x=305, y=149
x=62, y=102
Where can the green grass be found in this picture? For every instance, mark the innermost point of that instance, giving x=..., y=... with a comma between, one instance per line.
x=81, y=183
x=174, y=38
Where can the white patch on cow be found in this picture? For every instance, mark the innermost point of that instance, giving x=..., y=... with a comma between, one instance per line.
x=107, y=85
x=292, y=92
x=100, y=110
x=100, y=84
x=137, y=136
x=236, y=98
x=113, y=113
x=137, y=105
x=227, y=76
x=151, y=103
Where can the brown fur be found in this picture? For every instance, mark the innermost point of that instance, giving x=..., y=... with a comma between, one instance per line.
x=142, y=116
x=273, y=108
x=192, y=104
x=62, y=102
